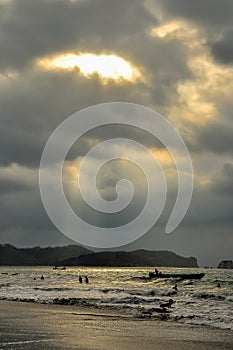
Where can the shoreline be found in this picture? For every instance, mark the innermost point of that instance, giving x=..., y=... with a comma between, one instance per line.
x=153, y=314
x=26, y=325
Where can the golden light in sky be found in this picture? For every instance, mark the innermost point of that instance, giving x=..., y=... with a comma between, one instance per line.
x=197, y=97
x=175, y=30
x=165, y=30
x=106, y=66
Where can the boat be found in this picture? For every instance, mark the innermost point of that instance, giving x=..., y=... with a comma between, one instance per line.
x=186, y=276
x=59, y=268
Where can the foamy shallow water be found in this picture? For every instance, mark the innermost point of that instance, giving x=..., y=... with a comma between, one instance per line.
x=197, y=302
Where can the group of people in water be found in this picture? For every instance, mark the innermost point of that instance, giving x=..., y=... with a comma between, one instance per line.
x=81, y=279
x=42, y=278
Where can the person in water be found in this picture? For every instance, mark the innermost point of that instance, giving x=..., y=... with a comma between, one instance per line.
x=169, y=303
x=80, y=279
x=42, y=277
x=157, y=272
x=86, y=279
x=175, y=287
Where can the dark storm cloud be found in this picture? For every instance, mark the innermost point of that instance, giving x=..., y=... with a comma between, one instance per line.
x=214, y=137
x=9, y=185
x=107, y=178
x=18, y=145
x=210, y=205
x=222, y=49
x=29, y=29
x=209, y=243
x=33, y=102
x=223, y=182
x=214, y=16
x=209, y=13
x=23, y=209
x=107, y=132
x=34, y=105
x=23, y=237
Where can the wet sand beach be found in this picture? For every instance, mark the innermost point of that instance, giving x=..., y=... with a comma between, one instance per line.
x=39, y=326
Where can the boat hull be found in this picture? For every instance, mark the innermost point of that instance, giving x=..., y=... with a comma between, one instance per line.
x=188, y=276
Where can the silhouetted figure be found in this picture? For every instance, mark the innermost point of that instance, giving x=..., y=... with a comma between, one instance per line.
x=167, y=304
x=175, y=287
x=86, y=279
x=42, y=277
x=34, y=278
x=218, y=285
x=80, y=279
x=156, y=271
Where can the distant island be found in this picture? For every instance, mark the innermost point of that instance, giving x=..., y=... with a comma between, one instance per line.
x=74, y=255
x=134, y=258
x=225, y=264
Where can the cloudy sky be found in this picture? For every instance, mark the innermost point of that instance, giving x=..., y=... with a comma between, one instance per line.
x=174, y=56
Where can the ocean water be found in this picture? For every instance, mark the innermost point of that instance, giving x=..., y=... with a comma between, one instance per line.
x=124, y=289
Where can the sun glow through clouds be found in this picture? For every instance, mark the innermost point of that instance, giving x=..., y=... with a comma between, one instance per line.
x=106, y=66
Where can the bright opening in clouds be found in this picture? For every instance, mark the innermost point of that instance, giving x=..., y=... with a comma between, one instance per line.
x=106, y=66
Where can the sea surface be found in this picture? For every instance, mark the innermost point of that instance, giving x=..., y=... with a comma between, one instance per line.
x=125, y=289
